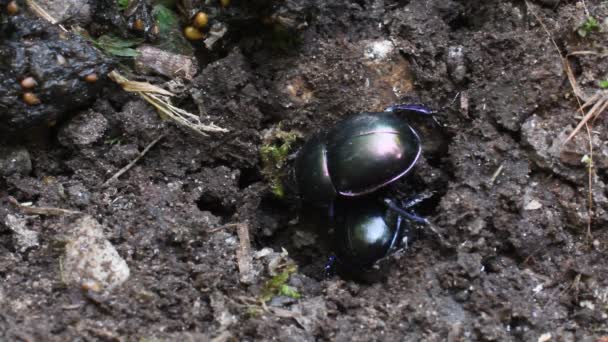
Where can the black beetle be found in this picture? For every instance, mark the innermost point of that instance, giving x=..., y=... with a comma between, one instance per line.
x=365, y=232
x=358, y=156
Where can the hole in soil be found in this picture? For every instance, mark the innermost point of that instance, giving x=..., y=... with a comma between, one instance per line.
x=307, y=240
x=361, y=3
x=215, y=206
x=397, y=3
x=459, y=22
x=249, y=176
x=519, y=326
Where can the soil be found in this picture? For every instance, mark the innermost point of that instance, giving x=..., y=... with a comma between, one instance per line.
x=513, y=256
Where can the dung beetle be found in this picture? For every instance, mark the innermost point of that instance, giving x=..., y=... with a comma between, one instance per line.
x=358, y=156
x=367, y=231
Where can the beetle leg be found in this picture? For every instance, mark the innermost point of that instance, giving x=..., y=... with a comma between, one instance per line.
x=395, y=243
x=405, y=213
x=330, y=266
x=420, y=109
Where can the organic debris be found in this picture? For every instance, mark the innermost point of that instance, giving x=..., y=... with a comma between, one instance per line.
x=243, y=253
x=45, y=211
x=277, y=285
x=154, y=95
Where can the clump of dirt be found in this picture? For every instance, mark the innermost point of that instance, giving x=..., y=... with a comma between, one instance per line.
x=45, y=74
x=510, y=260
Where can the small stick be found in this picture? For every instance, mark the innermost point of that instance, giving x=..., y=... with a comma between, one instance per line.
x=48, y=211
x=130, y=165
x=243, y=254
x=226, y=226
x=496, y=173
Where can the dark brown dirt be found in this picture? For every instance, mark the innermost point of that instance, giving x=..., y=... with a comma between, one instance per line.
x=511, y=203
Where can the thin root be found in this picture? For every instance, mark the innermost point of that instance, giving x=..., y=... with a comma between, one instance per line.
x=133, y=162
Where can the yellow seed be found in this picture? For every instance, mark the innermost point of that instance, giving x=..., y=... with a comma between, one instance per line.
x=28, y=83
x=12, y=8
x=31, y=99
x=224, y=3
x=91, y=78
x=200, y=20
x=138, y=25
x=193, y=33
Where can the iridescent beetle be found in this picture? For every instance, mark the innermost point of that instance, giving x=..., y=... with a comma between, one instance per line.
x=357, y=157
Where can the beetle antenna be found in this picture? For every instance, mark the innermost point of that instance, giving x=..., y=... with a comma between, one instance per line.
x=417, y=108
x=330, y=266
x=404, y=213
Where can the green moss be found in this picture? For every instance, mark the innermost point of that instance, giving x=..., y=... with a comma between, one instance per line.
x=590, y=25
x=171, y=37
x=274, y=155
x=289, y=291
x=122, y=4
x=117, y=46
x=277, y=285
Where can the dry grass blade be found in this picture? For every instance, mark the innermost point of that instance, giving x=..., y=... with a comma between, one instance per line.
x=575, y=88
x=46, y=211
x=595, y=111
x=40, y=12
x=152, y=93
x=144, y=87
x=597, y=101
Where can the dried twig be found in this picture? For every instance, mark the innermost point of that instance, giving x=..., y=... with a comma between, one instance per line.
x=243, y=254
x=496, y=173
x=133, y=162
x=151, y=94
x=226, y=226
x=47, y=211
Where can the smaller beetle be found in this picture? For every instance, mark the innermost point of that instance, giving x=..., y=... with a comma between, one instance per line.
x=367, y=230
x=360, y=155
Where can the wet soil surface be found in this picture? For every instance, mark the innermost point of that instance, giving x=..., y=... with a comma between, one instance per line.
x=511, y=258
